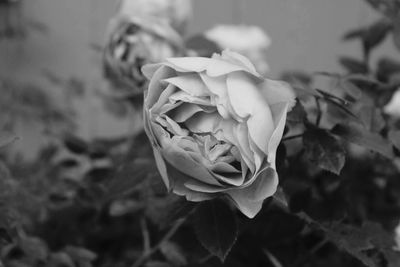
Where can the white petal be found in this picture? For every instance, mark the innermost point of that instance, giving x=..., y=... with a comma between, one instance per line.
x=190, y=83
x=188, y=64
x=155, y=87
x=248, y=208
x=185, y=97
x=184, y=112
x=203, y=122
x=162, y=169
x=249, y=200
x=278, y=92
x=248, y=102
x=180, y=159
x=148, y=70
x=240, y=60
x=279, y=111
x=177, y=185
x=202, y=187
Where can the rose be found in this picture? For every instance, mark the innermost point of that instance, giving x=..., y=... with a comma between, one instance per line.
x=393, y=107
x=133, y=42
x=174, y=12
x=251, y=41
x=215, y=125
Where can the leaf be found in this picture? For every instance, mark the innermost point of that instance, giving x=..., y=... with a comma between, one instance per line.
x=173, y=253
x=297, y=114
x=76, y=145
x=386, y=68
x=353, y=65
x=394, y=137
x=361, y=136
x=372, y=118
x=396, y=32
x=216, y=227
x=324, y=149
x=128, y=177
x=364, y=243
x=203, y=46
x=372, y=35
x=376, y=33
x=350, y=89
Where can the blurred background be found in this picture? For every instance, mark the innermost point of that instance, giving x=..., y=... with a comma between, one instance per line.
x=61, y=40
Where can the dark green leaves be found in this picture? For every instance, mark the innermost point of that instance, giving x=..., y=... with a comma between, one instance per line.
x=370, y=243
x=216, y=227
x=324, y=149
x=353, y=65
x=360, y=136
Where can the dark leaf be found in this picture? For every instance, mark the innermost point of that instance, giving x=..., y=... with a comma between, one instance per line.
x=386, y=68
x=216, y=227
x=376, y=33
x=396, y=32
x=76, y=145
x=203, y=46
x=173, y=253
x=372, y=35
x=361, y=136
x=128, y=177
x=372, y=118
x=394, y=137
x=324, y=149
x=354, y=34
x=353, y=65
x=297, y=114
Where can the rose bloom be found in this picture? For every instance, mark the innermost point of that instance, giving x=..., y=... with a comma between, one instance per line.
x=250, y=41
x=215, y=125
x=176, y=13
x=393, y=107
x=134, y=42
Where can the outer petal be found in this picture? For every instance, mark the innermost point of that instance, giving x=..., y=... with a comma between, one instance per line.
x=162, y=169
x=155, y=87
x=248, y=208
x=249, y=199
x=278, y=92
x=177, y=186
x=190, y=83
x=188, y=64
x=248, y=102
x=279, y=112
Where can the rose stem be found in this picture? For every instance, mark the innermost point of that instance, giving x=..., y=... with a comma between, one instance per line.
x=153, y=250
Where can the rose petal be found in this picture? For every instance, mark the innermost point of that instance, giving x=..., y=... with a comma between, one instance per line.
x=190, y=83
x=185, y=97
x=217, y=86
x=249, y=199
x=278, y=92
x=181, y=160
x=155, y=87
x=163, y=98
x=148, y=70
x=188, y=64
x=239, y=59
x=248, y=208
x=180, y=189
x=202, y=187
x=186, y=111
x=248, y=102
x=237, y=135
x=203, y=122
x=279, y=111
x=162, y=169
